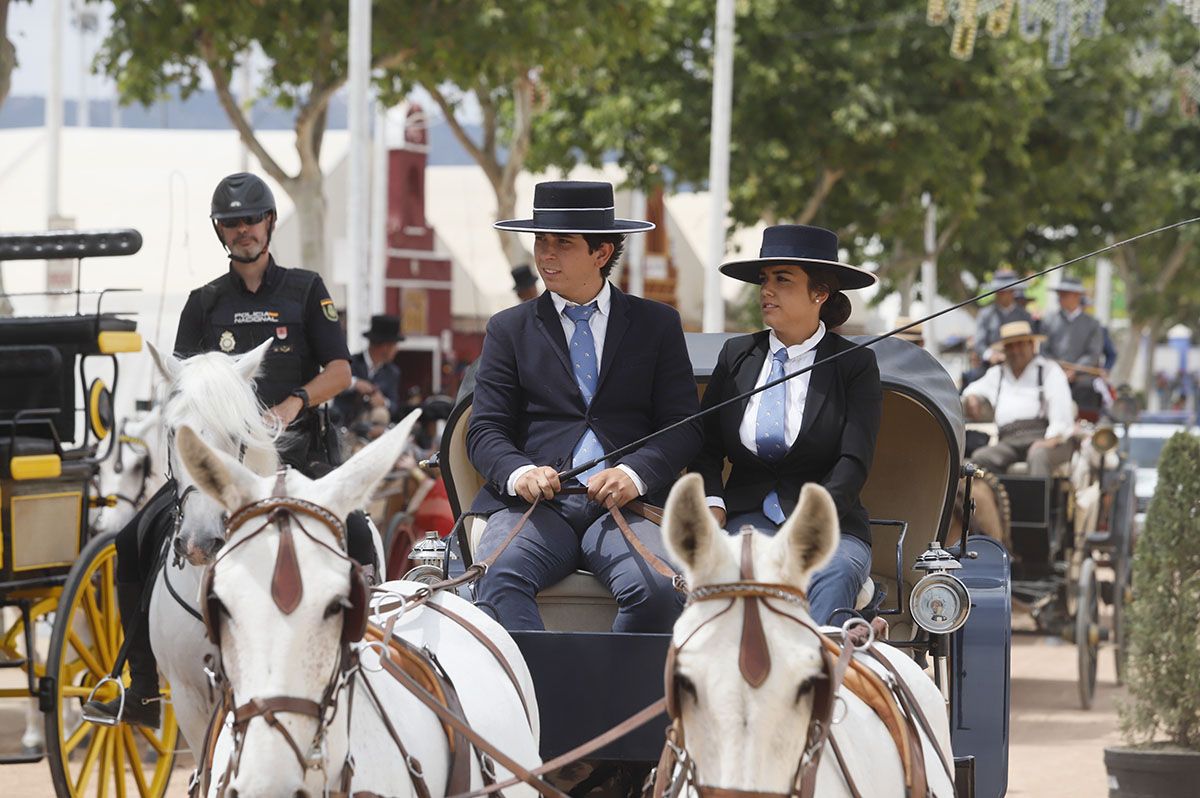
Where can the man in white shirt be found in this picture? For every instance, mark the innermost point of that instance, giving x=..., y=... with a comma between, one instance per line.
x=1031, y=402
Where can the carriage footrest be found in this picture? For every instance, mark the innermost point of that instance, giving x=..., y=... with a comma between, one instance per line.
x=24, y=757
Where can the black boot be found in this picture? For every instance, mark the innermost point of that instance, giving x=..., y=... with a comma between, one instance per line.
x=142, y=703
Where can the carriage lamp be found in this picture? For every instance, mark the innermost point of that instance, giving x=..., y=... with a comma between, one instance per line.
x=939, y=602
x=428, y=556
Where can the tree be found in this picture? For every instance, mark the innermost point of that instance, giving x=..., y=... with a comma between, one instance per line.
x=154, y=47
x=514, y=59
x=8, y=53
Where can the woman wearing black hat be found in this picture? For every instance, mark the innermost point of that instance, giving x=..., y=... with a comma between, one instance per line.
x=818, y=427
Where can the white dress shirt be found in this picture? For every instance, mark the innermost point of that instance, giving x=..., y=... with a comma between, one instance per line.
x=801, y=355
x=598, y=321
x=1019, y=396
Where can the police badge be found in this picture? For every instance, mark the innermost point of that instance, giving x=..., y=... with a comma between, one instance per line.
x=226, y=343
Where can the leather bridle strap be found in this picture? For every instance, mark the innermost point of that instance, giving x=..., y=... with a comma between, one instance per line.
x=266, y=708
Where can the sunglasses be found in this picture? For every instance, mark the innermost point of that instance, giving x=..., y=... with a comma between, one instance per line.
x=249, y=220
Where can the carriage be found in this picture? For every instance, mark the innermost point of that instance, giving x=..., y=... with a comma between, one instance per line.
x=56, y=570
x=1071, y=538
x=949, y=607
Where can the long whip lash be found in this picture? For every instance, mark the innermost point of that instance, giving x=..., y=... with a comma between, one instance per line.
x=577, y=470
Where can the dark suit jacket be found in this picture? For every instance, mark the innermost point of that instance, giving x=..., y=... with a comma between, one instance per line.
x=387, y=379
x=528, y=410
x=837, y=434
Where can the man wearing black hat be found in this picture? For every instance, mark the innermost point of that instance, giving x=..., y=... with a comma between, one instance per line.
x=577, y=373
x=375, y=377
x=1003, y=310
x=524, y=283
x=1076, y=340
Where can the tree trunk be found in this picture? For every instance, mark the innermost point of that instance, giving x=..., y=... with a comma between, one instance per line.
x=309, y=196
x=506, y=208
x=1127, y=349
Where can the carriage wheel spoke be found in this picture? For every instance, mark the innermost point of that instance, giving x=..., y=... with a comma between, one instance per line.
x=155, y=743
x=135, y=761
x=105, y=766
x=108, y=580
x=118, y=745
x=86, y=655
x=91, y=611
x=76, y=738
x=89, y=761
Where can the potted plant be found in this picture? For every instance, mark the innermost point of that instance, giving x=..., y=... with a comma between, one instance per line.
x=1160, y=721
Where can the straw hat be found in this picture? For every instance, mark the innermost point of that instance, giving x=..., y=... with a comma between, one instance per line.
x=1016, y=331
x=915, y=334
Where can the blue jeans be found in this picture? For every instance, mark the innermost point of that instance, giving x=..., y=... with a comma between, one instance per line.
x=562, y=536
x=835, y=586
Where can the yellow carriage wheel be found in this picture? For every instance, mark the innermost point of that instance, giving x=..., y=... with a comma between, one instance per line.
x=88, y=759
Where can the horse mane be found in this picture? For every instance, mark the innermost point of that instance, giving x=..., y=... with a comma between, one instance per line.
x=210, y=396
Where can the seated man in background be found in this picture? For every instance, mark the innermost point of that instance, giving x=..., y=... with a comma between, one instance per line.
x=1030, y=401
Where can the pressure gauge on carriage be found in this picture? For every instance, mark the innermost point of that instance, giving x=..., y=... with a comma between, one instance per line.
x=940, y=602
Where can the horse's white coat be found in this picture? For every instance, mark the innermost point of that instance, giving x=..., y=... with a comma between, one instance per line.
x=750, y=738
x=267, y=653
x=148, y=429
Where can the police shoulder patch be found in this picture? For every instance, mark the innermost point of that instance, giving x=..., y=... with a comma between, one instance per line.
x=329, y=310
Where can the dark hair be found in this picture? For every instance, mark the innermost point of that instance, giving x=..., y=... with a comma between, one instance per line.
x=594, y=240
x=836, y=307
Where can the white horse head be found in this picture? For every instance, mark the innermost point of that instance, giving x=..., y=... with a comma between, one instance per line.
x=213, y=394
x=719, y=707
x=290, y=646
x=746, y=693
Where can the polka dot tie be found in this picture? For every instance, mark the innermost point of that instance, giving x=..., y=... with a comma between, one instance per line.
x=587, y=370
x=769, y=432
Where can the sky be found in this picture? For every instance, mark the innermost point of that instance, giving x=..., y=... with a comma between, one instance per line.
x=29, y=31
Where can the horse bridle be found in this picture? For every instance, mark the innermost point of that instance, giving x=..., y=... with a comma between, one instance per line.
x=754, y=663
x=287, y=589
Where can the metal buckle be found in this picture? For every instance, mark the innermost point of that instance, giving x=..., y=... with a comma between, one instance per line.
x=383, y=654
x=852, y=622
x=834, y=718
x=105, y=720
x=414, y=766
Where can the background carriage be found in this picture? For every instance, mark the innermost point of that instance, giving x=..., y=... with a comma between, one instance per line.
x=54, y=568
x=588, y=679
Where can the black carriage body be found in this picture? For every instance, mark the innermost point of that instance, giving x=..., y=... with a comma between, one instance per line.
x=588, y=681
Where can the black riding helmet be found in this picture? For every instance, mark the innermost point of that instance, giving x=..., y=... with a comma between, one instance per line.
x=242, y=194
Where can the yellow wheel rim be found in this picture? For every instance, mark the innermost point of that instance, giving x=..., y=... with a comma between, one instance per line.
x=97, y=760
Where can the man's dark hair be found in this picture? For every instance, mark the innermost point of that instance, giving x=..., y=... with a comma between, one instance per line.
x=594, y=240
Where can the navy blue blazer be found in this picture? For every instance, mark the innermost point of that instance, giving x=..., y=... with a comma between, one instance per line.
x=528, y=410
x=835, y=446
x=387, y=379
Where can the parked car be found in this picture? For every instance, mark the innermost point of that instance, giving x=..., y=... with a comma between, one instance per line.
x=1145, y=444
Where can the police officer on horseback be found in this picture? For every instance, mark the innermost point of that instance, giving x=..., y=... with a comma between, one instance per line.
x=308, y=364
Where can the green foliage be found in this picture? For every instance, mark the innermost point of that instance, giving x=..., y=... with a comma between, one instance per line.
x=1164, y=617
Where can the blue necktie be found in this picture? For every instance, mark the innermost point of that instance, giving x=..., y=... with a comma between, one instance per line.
x=769, y=432
x=587, y=371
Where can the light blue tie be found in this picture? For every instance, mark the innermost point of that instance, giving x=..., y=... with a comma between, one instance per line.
x=587, y=371
x=769, y=432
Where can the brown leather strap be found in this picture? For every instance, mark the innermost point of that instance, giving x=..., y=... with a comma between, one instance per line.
x=462, y=727
x=490, y=645
x=837, y=752
x=415, y=772
x=754, y=657
x=646, y=510
x=256, y=707
x=915, y=713
x=805, y=784
x=652, y=559
x=641, y=718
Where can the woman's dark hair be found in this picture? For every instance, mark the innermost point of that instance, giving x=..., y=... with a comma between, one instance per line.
x=594, y=240
x=836, y=307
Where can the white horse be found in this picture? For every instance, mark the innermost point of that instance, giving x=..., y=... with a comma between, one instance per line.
x=135, y=471
x=213, y=394
x=752, y=738
x=273, y=649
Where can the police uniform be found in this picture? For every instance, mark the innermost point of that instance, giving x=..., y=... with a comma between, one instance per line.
x=291, y=306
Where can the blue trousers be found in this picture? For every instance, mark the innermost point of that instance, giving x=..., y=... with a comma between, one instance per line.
x=835, y=586
x=565, y=535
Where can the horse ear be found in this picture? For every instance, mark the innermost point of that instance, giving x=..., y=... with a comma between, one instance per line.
x=692, y=534
x=215, y=473
x=349, y=486
x=248, y=364
x=809, y=536
x=168, y=365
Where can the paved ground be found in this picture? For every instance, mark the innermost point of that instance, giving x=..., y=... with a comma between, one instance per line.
x=1057, y=749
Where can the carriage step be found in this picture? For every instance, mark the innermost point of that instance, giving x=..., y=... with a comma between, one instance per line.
x=23, y=758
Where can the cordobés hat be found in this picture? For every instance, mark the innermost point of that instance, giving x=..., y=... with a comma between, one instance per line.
x=785, y=244
x=1016, y=331
x=1002, y=278
x=384, y=329
x=574, y=206
x=914, y=334
x=1070, y=284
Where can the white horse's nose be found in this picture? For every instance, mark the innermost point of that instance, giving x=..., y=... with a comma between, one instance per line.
x=300, y=793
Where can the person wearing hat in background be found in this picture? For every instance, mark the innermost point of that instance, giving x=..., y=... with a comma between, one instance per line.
x=1075, y=338
x=375, y=377
x=581, y=371
x=1029, y=399
x=818, y=427
x=914, y=335
x=1003, y=310
x=525, y=283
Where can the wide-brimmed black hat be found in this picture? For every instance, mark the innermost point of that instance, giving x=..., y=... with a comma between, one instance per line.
x=801, y=244
x=1070, y=284
x=384, y=329
x=574, y=206
x=1004, y=279
x=523, y=277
